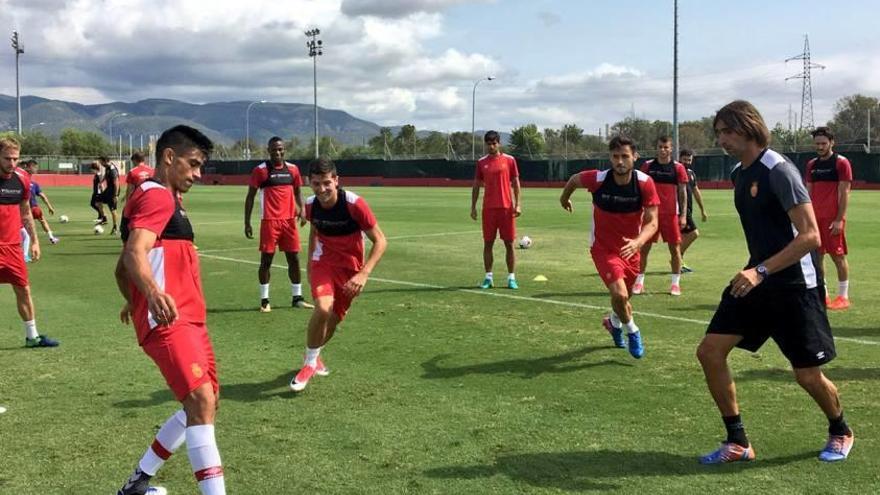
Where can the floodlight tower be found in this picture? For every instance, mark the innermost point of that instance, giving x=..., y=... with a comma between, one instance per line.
x=19, y=50
x=474, y=116
x=807, y=86
x=675, y=82
x=316, y=49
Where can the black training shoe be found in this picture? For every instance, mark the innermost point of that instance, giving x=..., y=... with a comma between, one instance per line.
x=137, y=484
x=301, y=303
x=265, y=307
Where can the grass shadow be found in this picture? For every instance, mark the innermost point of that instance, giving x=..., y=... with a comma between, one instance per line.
x=855, y=331
x=156, y=397
x=257, y=391
x=542, y=295
x=526, y=368
x=833, y=373
x=249, y=309
x=599, y=470
x=694, y=307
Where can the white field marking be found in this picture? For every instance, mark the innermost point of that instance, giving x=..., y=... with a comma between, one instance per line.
x=254, y=247
x=522, y=298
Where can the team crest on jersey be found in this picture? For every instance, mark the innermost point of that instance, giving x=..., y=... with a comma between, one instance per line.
x=197, y=370
x=754, y=189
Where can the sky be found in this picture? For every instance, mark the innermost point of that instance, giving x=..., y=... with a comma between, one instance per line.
x=587, y=62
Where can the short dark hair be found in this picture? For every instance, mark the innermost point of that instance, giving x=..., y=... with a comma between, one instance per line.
x=274, y=139
x=321, y=166
x=103, y=159
x=31, y=162
x=138, y=157
x=744, y=119
x=182, y=138
x=823, y=131
x=685, y=152
x=491, y=137
x=663, y=139
x=620, y=141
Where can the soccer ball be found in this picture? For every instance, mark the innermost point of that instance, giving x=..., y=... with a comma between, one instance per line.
x=63, y=219
x=98, y=229
x=525, y=242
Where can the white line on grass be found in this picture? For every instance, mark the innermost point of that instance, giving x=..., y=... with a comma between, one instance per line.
x=520, y=298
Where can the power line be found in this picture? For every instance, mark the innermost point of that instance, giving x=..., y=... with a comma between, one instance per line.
x=807, y=86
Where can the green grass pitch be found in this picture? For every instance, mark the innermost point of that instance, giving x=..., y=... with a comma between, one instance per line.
x=436, y=386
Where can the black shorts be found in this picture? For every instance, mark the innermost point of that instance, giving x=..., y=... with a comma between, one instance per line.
x=689, y=225
x=109, y=199
x=794, y=317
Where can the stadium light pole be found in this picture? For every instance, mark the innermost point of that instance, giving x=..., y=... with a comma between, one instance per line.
x=247, y=129
x=316, y=49
x=474, y=116
x=675, y=82
x=123, y=114
x=19, y=50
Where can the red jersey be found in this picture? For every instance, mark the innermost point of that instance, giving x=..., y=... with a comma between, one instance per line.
x=277, y=188
x=496, y=172
x=617, y=210
x=340, y=229
x=667, y=178
x=14, y=188
x=826, y=175
x=173, y=260
x=138, y=175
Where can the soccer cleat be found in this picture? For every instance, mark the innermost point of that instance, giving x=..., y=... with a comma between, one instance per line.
x=100, y=221
x=634, y=344
x=511, y=284
x=686, y=269
x=156, y=490
x=299, y=382
x=837, y=448
x=638, y=288
x=827, y=301
x=53, y=240
x=487, y=283
x=265, y=307
x=321, y=369
x=300, y=302
x=113, y=231
x=40, y=341
x=839, y=303
x=139, y=483
x=616, y=333
x=729, y=452
x=675, y=290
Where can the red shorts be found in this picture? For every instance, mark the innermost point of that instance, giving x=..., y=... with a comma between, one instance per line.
x=329, y=280
x=12, y=267
x=831, y=244
x=281, y=232
x=184, y=355
x=500, y=220
x=36, y=212
x=669, y=228
x=612, y=267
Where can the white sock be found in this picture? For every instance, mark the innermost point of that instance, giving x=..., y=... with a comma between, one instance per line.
x=204, y=457
x=511, y=276
x=489, y=275
x=30, y=329
x=296, y=290
x=631, y=326
x=640, y=279
x=615, y=320
x=25, y=242
x=843, y=289
x=170, y=437
x=264, y=291
x=312, y=354
x=676, y=279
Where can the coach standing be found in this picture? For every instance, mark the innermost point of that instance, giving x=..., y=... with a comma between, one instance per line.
x=780, y=294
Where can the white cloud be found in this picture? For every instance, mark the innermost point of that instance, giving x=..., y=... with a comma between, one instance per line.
x=395, y=8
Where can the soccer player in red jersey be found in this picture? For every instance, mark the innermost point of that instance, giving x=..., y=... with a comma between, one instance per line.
x=337, y=270
x=32, y=168
x=670, y=178
x=625, y=205
x=158, y=275
x=829, y=178
x=15, y=210
x=281, y=205
x=139, y=172
x=498, y=172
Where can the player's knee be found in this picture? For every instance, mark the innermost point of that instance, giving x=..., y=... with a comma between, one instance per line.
x=324, y=307
x=200, y=405
x=808, y=377
x=618, y=297
x=707, y=353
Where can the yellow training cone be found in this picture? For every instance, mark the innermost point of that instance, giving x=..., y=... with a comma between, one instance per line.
x=539, y=278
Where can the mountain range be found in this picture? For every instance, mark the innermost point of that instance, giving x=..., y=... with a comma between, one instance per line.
x=223, y=122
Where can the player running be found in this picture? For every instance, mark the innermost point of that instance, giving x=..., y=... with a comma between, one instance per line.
x=670, y=179
x=337, y=271
x=139, y=172
x=14, y=211
x=158, y=275
x=498, y=172
x=32, y=168
x=778, y=294
x=829, y=178
x=625, y=205
x=689, y=232
x=281, y=205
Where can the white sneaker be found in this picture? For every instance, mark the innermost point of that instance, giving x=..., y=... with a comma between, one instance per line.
x=156, y=490
x=638, y=288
